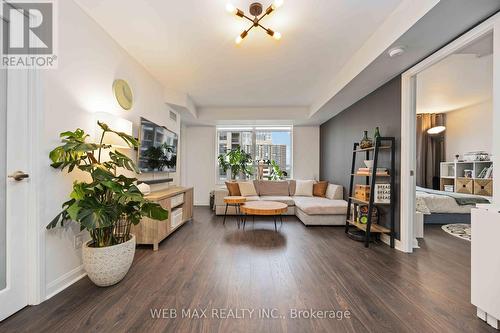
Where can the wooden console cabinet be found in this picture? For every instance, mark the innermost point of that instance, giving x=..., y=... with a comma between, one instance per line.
x=172, y=199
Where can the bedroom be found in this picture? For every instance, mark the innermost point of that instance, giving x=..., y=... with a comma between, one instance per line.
x=454, y=135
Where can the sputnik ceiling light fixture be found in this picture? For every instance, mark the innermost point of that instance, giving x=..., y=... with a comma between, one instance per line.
x=257, y=11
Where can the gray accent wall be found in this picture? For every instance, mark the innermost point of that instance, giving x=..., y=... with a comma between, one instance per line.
x=380, y=108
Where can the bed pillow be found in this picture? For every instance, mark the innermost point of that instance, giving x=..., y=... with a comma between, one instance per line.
x=304, y=188
x=319, y=189
x=247, y=189
x=334, y=192
x=233, y=188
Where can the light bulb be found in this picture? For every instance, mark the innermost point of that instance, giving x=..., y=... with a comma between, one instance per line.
x=238, y=40
x=277, y=3
x=230, y=8
x=277, y=36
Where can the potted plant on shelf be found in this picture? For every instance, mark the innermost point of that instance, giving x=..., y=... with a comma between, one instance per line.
x=238, y=161
x=106, y=205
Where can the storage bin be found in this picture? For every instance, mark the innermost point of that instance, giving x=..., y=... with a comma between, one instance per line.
x=177, y=200
x=176, y=218
x=362, y=192
x=465, y=185
x=483, y=187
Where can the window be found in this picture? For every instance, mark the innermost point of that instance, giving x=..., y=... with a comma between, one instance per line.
x=263, y=143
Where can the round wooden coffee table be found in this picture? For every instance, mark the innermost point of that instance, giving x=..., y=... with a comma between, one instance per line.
x=236, y=202
x=264, y=208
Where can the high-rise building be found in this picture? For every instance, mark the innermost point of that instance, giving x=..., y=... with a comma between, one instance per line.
x=264, y=148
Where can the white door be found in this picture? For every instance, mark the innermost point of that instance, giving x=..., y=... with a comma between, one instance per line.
x=14, y=161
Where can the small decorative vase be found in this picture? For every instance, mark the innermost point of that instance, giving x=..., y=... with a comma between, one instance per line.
x=366, y=142
x=107, y=266
x=377, y=134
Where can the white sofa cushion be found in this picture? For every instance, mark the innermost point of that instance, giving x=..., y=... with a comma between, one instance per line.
x=304, y=188
x=334, y=192
x=320, y=206
x=247, y=189
x=283, y=199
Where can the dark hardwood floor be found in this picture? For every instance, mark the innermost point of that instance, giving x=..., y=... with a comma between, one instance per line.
x=205, y=265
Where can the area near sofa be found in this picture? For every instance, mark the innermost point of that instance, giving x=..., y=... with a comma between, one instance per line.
x=311, y=210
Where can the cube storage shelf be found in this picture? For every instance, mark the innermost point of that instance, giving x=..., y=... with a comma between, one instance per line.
x=453, y=174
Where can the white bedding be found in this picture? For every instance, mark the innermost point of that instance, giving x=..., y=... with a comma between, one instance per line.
x=428, y=203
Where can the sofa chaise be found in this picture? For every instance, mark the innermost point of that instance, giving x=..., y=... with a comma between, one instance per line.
x=311, y=210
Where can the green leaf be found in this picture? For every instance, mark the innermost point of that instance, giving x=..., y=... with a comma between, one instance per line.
x=123, y=161
x=154, y=211
x=130, y=140
x=73, y=211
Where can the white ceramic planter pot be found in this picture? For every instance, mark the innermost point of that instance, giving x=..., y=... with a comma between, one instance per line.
x=107, y=266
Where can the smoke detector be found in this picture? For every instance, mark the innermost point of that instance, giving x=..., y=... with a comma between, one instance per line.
x=396, y=51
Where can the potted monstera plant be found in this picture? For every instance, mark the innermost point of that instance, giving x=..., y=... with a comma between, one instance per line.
x=106, y=205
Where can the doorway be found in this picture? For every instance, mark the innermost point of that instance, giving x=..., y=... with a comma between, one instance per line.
x=14, y=190
x=409, y=120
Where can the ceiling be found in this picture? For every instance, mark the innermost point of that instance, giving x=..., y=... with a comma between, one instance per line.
x=332, y=54
x=461, y=80
x=447, y=20
x=189, y=45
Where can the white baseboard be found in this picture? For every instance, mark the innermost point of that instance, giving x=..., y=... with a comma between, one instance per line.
x=397, y=243
x=64, y=281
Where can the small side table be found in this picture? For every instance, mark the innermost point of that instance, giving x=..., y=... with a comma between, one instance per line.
x=235, y=202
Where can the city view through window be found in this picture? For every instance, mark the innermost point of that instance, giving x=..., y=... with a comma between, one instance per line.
x=263, y=144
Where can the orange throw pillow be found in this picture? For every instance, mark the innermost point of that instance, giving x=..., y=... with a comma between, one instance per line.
x=319, y=189
x=234, y=189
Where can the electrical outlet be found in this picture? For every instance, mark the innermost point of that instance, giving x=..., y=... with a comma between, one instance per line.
x=78, y=241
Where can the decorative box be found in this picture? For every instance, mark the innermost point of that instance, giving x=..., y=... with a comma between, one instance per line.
x=483, y=187
x=465, y=185
x=362, y=192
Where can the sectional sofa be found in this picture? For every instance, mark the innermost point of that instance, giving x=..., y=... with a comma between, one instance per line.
x=311, y=210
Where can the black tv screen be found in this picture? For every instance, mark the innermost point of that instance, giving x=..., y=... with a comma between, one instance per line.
x=158, y=148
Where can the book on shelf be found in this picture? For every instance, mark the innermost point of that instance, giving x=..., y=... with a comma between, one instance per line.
x=368, y=171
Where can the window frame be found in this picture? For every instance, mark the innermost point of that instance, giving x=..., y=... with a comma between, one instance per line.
x=253, y=130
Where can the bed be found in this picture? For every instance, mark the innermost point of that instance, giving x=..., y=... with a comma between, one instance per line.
x=440, y=207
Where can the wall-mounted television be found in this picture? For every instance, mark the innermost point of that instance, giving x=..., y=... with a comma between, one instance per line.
x=158, y=148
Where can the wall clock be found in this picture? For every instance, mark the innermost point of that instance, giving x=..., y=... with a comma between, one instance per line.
x=123, y=94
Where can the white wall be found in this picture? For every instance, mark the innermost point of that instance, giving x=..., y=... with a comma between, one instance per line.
x=199, y=167
x=200, y=170
x=89, y=61
x=469, y=129
x=306, y=152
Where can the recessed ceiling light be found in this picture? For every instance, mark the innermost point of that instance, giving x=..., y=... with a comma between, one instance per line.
x=396, y=51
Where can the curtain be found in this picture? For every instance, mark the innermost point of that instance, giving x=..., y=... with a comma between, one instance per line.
x=430, y=148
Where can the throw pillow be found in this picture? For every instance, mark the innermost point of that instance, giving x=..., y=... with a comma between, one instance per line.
x=273, y=188
x=304, y=188
x=334, y=192
x=247, y=189
x=319, y=189
x=233, y=188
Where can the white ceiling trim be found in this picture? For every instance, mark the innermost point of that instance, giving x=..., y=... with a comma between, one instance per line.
x=180, y=101
x=248, y=116
x=400, y=21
